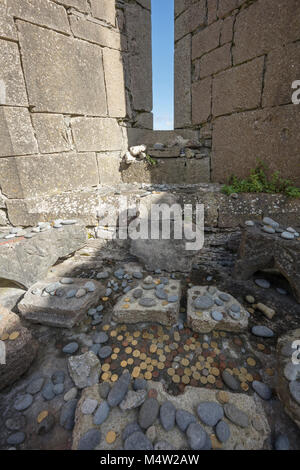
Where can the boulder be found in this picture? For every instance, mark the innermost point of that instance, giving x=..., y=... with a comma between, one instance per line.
x=84, y=370
x=16, y=355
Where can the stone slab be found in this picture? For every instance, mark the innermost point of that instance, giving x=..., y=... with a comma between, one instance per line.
x=16, y=132
x=25, y=261
x=104, y=10
x=201, y=100
x=51, y=133
x=97, y=33
x=200, y=320
x=59, y=311
x=115, y=83
x=183, y=78
x=11, y=75
x=163, y=312
x=97, y=134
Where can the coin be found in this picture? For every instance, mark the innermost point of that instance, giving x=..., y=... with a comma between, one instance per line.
x=116, y=350
x=196, y=375
x=130, y=361
x=114, y=377
x=143, y=365
x=137, y=334
x=185, y=362
x=150, y=368
x=160, y=365
x=105, y=327
x=4, y=337
x=176, y=379
x=105, y=367
x=114, y=356
x=113, y=333
x=251, y=361
x=223, y=397
x=185, y=379
x=14, y=335
x=111, y=437
x=187, y=371
x=143, y=356
x=203, y=380
x=215, y=371
x=245, y=386
x=123, y=364
x=211, y=379
x=148, y=375
x=42, y=416
x=136, y=353
x=171, y=372
x=153, y=348
x=105, y=376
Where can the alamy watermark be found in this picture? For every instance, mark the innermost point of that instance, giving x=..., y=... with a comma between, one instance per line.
x=159, y=222
x=296, y=94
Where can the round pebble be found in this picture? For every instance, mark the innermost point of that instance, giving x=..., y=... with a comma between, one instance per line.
x=70, y=348
x=222, y=431
x=23, y=402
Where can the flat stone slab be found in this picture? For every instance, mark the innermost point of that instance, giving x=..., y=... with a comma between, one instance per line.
x=204, y=314
x=249, y=438
x=148, y=307
x=26, y=260
x=59, y=310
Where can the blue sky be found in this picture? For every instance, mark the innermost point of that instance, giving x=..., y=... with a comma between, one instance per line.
x=163, y=63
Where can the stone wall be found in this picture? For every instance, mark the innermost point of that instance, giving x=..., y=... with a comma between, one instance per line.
x=74, y=75
x=235, y=61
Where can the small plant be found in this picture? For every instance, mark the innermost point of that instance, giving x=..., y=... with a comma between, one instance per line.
x=259, y=182
x=151, y=161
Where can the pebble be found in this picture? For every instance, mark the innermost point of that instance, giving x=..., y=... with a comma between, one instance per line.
x=23, y=402
x=263, y=283
x=137, y=275
x=102, y=413
x=67, y=280
x=71, y=293
x=147, y=302
x=119, y=274
x=204, y=302
x=68, y=222
x=140, y=384
x=262, y=390
x=222, y=431
x=184, y=419
x=281, y=291
x=16, y=438
x=295, y=390
x=67, y=415
x=291, y=371
x=47, y=391
x=172, y=298
x=196, y=436
x=250, y=299
x=104, y=389
x=230, y=381
x=249, y=223
x=224, y=297
x=90, y=286
x=271, y=222
x=282, y=442
x=70, y=348
x=119, y=390
x=35, y=386
x=52, y=287
x=129, y=429
x=268, y=229
x=58, y=377
x=148, y=413
x=103, y=275
x=167, y=415
x=105, y=352
x=88, y=406
x=161, y=294
x=235, y=415
x=219, y=302
x=16, y=423
x=210, y=413
x=80, y=293
x=287, y=236
x=163, y=445
x=71, y=394
x=90, y=440
x=100, y=337
x=138, y=293
x=262, y=331
x=58, y=389
x=138, y=441
x=151, y=433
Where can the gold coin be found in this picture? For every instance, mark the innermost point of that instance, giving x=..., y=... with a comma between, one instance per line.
x=214, y=344
x=229, y=371
x=150, y=368
x=127, y=299
x=186, y=347
x=14, y=335
x=137, y=334
x=159, y=352
x=150, y=336
x=196, y=376
x=116, y=350
x=166, y=338
x=105, y=376
x=261, y=347
x=167, y=349
x=105, y=367
x=123, y=364
x=162, y=358
x=125, y=306
x=114, y=377
x=192, y=347
x=171, y=372
x=249, y=377
x=105, y=327
x=223, y=334
x=157, y=281
x=199, y=366
x=136, y=353
x=4, y=337
x=270, y=372
x=193, y=368
x=114, y=356
x=120, y=338
x=143, y=356
x=113, y=333
x=185, y=362
x=205, y=346
x=201, y=358
x=176, y=336
x=154, y=362
x=210, y=360
x=148, y=375
x=215, y=371
x=185, y=379
x=245, y=386
x=203, y=380
x=134, y=342
x=235, y=371
x=164, y=302
x=215, y=334
x=160, y=365
x=243, y=370
x=222, y=396
x=187, y=371
x=143, y=365
x=128, y=350
x=148, y=360
x=136, y=372
x=199, y=314
x=111, y=437
x=176, y=379
x=129, y=338
x=251, y=361
x=123, y=328
x=153, y=348
x=42, y=416
x=130, y=361
x=211, y=379
x=105, y=299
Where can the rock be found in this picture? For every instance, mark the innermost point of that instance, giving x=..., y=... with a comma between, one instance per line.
x=101, y=414
x=196, y=436
x=217, y=316
x=16, y=422
x=267, y=229
x=151, y=433
x=100, y=337
x=148, y=413
x=58, y=377
x=184, y=419
x=26, y=261
x=70, y=348
x=204, y=302
x=133, y=400
x=58, y=389
x=268, y=312
x=90, y=440
x=210, y=413
x=104, y=352
x=291, y=371
x=235, y=415
x=88, y=406
x=167, y=415
x=138, y=441
x=48, y=390
x=270, y=222
x=119, y=390
x=24, y=346
x=295, y=390
x=230, y=381
x=46, y=425
x=130, y=429
x=16, y=438
x=282, y=442
x=262, y=331
x=104, y=389
x=163, y=445
x=71, y=394
x=263, y=283
x=262, y=390
x=140, y=384
x=57, y=311
x=287, y=236
x=250, y=299
x=67, y=415
x=23, y=402
x=222, y=431
x=35, y=386
x=103, y=275
x=84, y=370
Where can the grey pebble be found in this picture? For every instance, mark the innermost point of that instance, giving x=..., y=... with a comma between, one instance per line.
x=70, y=348
x=90, y=440
x=210, y=413
x=102, y=413
x=23, y=402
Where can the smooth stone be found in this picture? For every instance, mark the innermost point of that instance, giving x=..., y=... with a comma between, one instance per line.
x=80, y=293
x=52, y=287
x=70, y=348
x=217, y=316
x=230, y=381
x=16, y=438
x=101, y=414
x=281, y=291
x=173, y=298
x=235, y=415
x=71, y=293
x=71, y=394
x=234, y=315
x=196, y=436
x=35, y=386
x=130, y=429
x=58, y=377
x=148, y=413
x=69, y=222
x=161, y=294
x=127, y=289
x=151, y=433
x=119, y=390
x=282, y=442
x=147, y=302
x=138, y=293
x=16, y=423
x=235, y=308
x=167, y=415
x=262, y=390
x=105, y=352
x=95, y=348
x=222, y=431
x=249, y=223
x=149, y=286
x=90, y=286
x=92, y=312
x=212, y=290
x=225, y=297
x=67, y=415
x=263, y=283
x=204, y=302
x=47, y=391
x=250, y=299
x=287, y=236
x=271, y=222
x=88, y=406
x=104, y=389
x=140, y=384
x=267, y=229
x=184, y=419
x=103, y=275
x=262, y=331
x=291, y=371
x=219, y=302
x=295, y=390
x=133, y=400
x=138, y=441
x=108, y=292
x=90, y=440
x=210, y=413
x=66, y=280
x=60, y=292
x=23, y=402
x=100, y=337
x=119, y=274
x=137, y=275
x=58, y=389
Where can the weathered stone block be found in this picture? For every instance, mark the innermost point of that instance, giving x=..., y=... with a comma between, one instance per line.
x=104, y=10
x=97, y=134
x=3, y=218
x=59, y=311
x=109, y=168
x=48, y=174
x=183, y=78
x=206, y=40
x=16, y=132
x=144, y=120
x=201, y=100
x=51, y=133
x=81, y=5
x=280, y=150
x=115, y=83
x=239, y=88
x=226, y=6
x=227, y=30
x=94, y=32
x=181, y=5
x=273, y=24
x=191, y=19
x=51, y=61
x=11, y=76
x=168, y=138
x=212, y=9
x=7, y=25
x=41, y=12
x=283, y=68
x=215, y=61
x=19, y=352
x=25, y=261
